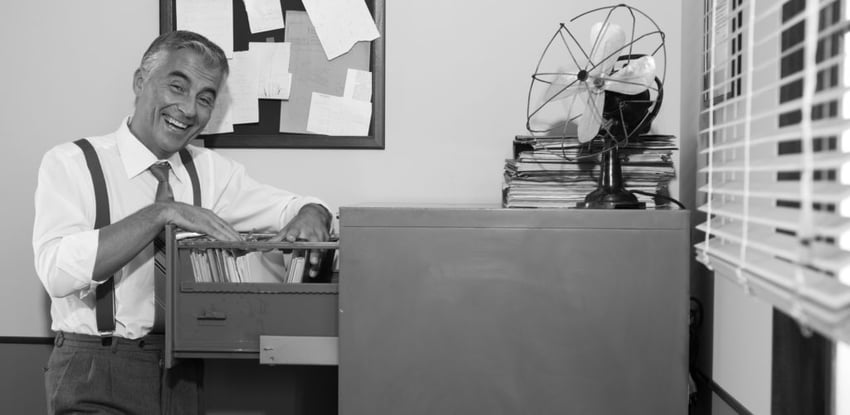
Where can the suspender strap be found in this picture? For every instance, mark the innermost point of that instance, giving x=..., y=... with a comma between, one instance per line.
x=193, y=176
x=105, y=292
x=101, y=198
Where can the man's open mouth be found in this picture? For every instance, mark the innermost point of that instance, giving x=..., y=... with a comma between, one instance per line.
x=174, y=123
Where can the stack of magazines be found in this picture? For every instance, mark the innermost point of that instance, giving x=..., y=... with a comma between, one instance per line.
x=560, y=172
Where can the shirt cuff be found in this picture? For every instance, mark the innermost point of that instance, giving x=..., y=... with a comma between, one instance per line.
x=75, y=260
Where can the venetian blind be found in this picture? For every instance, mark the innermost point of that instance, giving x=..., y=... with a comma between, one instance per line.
x=774, y=154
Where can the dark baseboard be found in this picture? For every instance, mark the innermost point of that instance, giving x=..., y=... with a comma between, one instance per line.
x=25, y=340
x=722, y=394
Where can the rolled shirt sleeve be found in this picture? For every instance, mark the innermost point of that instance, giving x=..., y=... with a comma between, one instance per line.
x=252, y=206
x=64, y=242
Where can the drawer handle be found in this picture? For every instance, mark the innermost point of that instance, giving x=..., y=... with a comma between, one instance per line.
x=212, y=315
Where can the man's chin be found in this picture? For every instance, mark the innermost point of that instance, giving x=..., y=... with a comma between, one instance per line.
x=173, y=143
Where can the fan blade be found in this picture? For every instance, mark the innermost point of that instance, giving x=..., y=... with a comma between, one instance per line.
x=575, y=106
x=637, y=76
x=591, y=118
x=548, y=114
x=560, y=89
x=608, y=40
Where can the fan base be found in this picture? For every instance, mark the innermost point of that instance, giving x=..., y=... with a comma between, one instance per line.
x=610, y=205
x=602, y=198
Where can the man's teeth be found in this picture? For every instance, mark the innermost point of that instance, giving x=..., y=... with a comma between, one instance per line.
x=175, y=123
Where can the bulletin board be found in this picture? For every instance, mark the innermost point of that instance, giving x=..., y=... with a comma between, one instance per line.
x=266, y=133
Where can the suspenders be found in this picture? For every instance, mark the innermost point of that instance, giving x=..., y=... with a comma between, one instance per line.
x=105, y=292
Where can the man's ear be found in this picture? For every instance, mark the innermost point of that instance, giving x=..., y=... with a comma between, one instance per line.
x=138, y=81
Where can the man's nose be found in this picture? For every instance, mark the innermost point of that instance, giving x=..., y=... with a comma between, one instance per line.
x=188, y=106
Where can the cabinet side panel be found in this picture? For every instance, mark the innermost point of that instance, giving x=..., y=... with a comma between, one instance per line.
x=513, y=320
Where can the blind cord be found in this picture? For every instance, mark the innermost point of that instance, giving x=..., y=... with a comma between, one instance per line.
x=805, y=225
x=748, y=111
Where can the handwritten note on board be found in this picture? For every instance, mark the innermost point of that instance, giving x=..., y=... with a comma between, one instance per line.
x=221, y=120
x=264, y=15
x=243, y=83
x=237, y=101
x=275, y=79
x=210, y=18
x=332, y=115
x=358, y=85
x=312, y=72
x=340, y=24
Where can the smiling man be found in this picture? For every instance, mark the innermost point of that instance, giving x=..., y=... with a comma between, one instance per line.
x=101, y=203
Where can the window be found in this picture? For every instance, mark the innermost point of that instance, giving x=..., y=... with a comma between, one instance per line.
x=774, y=155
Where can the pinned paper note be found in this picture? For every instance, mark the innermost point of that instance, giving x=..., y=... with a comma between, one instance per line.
x=275, y=80
x=211, y=18
x=358, y=85
x=237, y=99
x=340, y=24
x=242, y=83
x=264, y=15
x=312, y=72
x=332, y=115
x=220, y=120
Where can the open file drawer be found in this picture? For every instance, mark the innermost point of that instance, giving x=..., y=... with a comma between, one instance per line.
x=277, y=323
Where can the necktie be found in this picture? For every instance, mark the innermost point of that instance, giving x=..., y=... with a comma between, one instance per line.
x=163, y=189
x=163, y=193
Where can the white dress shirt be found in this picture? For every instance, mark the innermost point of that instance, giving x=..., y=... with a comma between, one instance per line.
x=65, y=242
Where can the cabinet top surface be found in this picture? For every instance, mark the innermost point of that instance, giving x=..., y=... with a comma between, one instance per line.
x=493, y=216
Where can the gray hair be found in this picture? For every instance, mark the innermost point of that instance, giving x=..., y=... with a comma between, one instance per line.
x=183, y=39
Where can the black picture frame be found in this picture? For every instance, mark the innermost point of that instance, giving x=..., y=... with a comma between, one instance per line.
x=265, y=134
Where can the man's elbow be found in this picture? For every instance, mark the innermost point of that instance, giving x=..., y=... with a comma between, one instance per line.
x=58, y=288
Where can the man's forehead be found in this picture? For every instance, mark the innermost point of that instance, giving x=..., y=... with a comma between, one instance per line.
x=192, y=66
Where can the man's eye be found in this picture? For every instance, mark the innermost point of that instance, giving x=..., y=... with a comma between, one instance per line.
x=207, y=101
x=177, y=87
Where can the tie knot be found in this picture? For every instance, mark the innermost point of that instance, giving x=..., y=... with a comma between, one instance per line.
x=160, y=171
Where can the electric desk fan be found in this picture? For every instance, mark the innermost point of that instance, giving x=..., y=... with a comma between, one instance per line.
x=605, y=92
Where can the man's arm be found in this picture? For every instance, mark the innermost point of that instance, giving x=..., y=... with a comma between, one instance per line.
x=70, y=255
x=119, y=242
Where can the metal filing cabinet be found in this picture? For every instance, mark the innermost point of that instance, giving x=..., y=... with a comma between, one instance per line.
x=477, y=310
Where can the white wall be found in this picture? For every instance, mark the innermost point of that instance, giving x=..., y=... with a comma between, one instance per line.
x=457, y=77
x=66, y=73
x=743, y=345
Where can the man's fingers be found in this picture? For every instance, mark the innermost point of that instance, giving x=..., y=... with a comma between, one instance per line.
x=205, y=221
x=315, y=258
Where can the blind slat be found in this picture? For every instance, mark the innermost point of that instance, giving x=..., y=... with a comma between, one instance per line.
x=767, y=241
x=819, y=288
x=822, y=192
x=826, y=225
x=832, y=323
x=788, y=162
x=830, y=128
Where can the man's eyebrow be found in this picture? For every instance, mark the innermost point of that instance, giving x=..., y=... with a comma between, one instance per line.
x=179, y=74
x=183, y=76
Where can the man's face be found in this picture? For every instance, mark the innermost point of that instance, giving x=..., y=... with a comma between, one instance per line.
x=174, y=101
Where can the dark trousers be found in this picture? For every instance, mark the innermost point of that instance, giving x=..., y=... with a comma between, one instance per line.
x=90, y=374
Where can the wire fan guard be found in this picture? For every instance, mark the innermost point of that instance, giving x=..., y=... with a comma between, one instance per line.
x=609, y=89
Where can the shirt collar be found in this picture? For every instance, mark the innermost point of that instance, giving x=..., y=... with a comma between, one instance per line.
x=136, y=158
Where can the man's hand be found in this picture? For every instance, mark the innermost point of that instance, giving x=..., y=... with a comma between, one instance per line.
x=197, y=219
x=312, y=224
